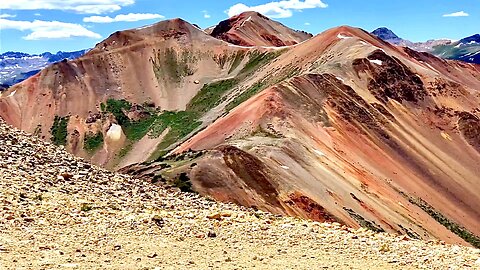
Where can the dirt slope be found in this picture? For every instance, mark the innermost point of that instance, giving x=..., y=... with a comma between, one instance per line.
x=60, y=212
x=254, y=29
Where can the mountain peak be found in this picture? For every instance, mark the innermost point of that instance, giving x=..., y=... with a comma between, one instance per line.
x=254, y=29
x=471, y=39
x=385, y=34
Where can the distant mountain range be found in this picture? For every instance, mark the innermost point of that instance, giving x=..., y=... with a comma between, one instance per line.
x=467, y=49
x=17, y=66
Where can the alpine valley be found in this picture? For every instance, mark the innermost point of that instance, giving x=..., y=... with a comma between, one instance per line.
x=341, y=126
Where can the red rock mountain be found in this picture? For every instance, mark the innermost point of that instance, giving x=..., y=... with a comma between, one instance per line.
x=254, y=29
x=342, y=127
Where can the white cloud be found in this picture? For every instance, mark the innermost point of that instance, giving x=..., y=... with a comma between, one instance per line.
x=2, y=16
x=279, y=9
x=206, y=15
x=307, y=23
x=48, y=29
x=80, y=6
x=457, y=14
x=131, y=17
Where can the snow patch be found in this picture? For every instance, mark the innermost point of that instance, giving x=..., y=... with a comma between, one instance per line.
x=377, y=62
x=340, y=79
x=12, y=93
x=285, y=167
x=341, y=36
x=144, y=27
x=318, y=152
x=238, y=46
x=247, y=20
x=114, y=133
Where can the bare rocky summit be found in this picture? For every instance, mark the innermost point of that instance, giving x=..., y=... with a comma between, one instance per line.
x=60, y=212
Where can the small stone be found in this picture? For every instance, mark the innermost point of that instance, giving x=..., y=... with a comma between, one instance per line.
x=228, y=259
x=153, y=255
x=216, y=216
x=117, y=247
x=158, y=220
x=66, y=176
x=211, y=234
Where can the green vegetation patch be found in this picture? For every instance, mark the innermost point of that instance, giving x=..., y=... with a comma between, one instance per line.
x=135, y=131
x=210, y=95
x=238, y=58
x=440, y=218
x=181, y=124
x=118, y=109
x=258, y=59
x=250, y=92
x=59, y=130
x=371, y=225
x=92, y=142
x=170, y=64
x=183, y=183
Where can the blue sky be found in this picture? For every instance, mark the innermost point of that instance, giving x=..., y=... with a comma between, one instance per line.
x=36, y=26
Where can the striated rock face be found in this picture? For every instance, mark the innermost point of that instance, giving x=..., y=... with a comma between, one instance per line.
x=254, y=29
x=365, y=134
x=342, y=126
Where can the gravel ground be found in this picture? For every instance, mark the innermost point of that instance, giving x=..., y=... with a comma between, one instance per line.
x=60, y=212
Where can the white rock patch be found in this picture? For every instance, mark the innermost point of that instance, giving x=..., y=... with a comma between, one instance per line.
x=318, y=152
x=377, y=62
x=12, y=93
x=341, y=36
x=114, y=132
x=340, y=79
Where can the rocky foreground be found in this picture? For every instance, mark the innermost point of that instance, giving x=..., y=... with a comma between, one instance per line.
x=59, y=212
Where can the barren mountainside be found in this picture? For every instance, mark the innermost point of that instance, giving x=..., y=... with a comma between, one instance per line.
x=254, y=29
x=342, y=127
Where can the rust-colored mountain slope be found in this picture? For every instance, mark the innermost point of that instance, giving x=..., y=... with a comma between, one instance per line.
x=254, y=29
x=367, y=134
x=159, y=67
x=341, y=127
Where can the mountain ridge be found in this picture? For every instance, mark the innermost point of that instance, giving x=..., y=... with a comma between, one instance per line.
x=466, y=49
x=342, y=126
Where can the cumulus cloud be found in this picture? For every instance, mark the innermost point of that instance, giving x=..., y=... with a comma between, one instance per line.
x=2, y=16
x=457, y=14
x=131, y=17
x=48, y=29
x=279, y=9
x=206, y=15
x=80, y=6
